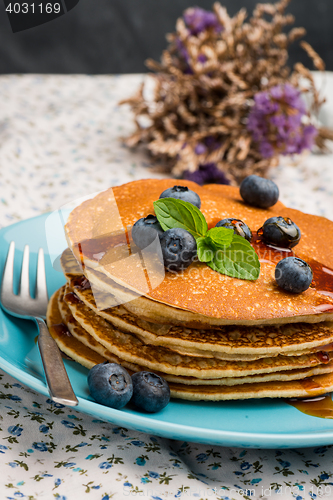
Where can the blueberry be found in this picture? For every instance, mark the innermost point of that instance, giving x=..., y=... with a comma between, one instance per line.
x=110, y=384
x=259, y=192
x=182, y=193
x=293, y=274
x=280, y=231
x=150, y=391
x=178, y=249
x=145, y=231
x=238, y=226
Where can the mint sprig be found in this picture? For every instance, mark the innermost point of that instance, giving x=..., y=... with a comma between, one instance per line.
x=219, y=237
x=239, y=260
x=221, y=249
x=204, y=250
x=173, y=213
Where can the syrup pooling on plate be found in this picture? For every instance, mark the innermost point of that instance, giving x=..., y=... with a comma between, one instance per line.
x=320, y=406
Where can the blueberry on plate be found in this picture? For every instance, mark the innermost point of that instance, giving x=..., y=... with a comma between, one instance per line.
x=293, y=274
x=145, y=231
x=178, y=249
x=150, y=391
x=281, y=232
x=110, y=384
x=182, y=193
x=259, y=192
x=239, y=227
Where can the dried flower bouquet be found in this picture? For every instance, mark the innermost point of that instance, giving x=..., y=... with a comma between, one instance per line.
x=225, y=103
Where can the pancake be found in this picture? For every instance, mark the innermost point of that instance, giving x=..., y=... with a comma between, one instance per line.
x=224, y=342
x=212, y=337
x=187, y=389
x=158, y=358
x=199, y=295
x=108, y=294
x=66, y=342
x=266, y=340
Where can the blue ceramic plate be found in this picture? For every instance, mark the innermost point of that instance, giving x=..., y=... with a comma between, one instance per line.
x=257, y=424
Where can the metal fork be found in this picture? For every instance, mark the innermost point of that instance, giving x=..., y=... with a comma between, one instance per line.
x=24, y=306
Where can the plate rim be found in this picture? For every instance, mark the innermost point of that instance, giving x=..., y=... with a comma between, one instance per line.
x=141, y=423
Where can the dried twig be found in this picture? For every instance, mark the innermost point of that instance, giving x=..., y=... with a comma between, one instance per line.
x=205, y=85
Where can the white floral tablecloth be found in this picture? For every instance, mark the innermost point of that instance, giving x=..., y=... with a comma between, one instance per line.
x=59, y=141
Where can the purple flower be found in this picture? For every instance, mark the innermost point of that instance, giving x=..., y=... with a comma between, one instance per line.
x=200, y=149
x=183, y=53
x=276, y=122
x=182, y=49
x=198, y=20
x=206, y=174
x=212, y=143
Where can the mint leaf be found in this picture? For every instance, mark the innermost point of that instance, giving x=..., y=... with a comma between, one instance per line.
x=219, y=237
x=205, y=252
x=239, y=260
x=173, y=213
x=222, y=250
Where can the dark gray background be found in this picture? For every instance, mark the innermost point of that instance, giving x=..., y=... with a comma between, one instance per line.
x=116, y=36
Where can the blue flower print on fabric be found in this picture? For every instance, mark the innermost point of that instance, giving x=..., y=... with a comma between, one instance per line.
x=15, y=430
x=39, y=446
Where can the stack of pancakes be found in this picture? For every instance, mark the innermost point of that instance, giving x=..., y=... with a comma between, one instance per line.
x=211, y=336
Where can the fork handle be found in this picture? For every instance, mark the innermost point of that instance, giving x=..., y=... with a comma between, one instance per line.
x=58, y=383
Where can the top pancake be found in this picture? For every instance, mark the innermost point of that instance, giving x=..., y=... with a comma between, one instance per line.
x=199, y=289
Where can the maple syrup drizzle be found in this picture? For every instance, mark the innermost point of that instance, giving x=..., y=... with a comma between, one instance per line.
x=308, y=384
x=325, y=348
x=322, y=276
x=267, y=252
x=80, y=283
x=96, y=248
x=72, y=298
x=62, y=330
x=323, y=356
